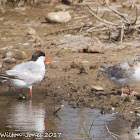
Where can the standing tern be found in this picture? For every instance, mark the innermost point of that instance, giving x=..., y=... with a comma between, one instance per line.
x=24, y=75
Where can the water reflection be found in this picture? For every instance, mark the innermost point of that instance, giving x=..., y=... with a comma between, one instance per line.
x=24, y=116
x=73, y=119
x=25, y=119
x=36, y=117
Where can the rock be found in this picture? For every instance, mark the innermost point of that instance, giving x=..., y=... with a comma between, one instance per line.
x=58, y=17
x=15, y=54
x=8, y=54
x=9, y=60
x=1, y=65
x=20, y=55
x=74, y=43
x=37, y=42
x=26, y=44
x=7, y=48
x=97, y=88
x=72, y=2
x=31, y=31
x=77, y=63
x=37, y=39
x=96, y=46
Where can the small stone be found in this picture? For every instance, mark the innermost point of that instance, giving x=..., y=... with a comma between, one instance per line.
x=72, y=2
x=20, y=55
x=37, y=42
x=37, y=39
x=23, y=97
x=26, y=44
x=58, y=17
x=112, y=108
x=7, y=48
x=9, y=60
x=1, y=65
x=77, y=63
x=97, y=88
x=11, y=56
x=31, y=31
x=8, y=55
x=96, y=46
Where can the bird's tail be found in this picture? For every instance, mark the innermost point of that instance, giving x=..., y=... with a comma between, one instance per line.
x=4, y=76
x=102, y=70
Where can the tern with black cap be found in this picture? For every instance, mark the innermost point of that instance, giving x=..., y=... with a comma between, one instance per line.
x=24, y=75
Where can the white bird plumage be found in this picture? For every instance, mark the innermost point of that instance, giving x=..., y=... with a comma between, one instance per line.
x=24, y=75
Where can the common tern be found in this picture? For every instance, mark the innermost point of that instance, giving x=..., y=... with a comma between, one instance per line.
x=123, y=74
x=24, y=75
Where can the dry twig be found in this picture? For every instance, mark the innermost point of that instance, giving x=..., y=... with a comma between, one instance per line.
x=56, y=111
x=110, y=132
x=125, y=27
x=102, y=20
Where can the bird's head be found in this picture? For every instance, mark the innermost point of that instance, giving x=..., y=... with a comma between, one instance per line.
x=39, y=55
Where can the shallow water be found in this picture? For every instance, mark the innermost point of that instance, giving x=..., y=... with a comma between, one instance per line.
x=28, y=119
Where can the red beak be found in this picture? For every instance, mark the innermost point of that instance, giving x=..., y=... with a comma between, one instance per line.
x=47, y=59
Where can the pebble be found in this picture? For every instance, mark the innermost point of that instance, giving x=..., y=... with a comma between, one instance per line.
x=72, y=2
x=112, y=108
x=9, y=60
x=31, y=31
x=26, y=44
x=16, y=54
x=96, y=46
x=1, y=65
x=37, y=42
x=58, y=17
x=7, y=48
x=97, y=88
x=20, y=55
x=8, y=54
x=77, y=63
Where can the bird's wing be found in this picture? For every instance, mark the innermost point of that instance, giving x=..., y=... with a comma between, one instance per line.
x=29, y=72
x=121, y=70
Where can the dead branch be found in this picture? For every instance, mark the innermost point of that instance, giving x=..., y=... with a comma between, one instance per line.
x=136, y=14
x=69, y=29
x=104, y=21
x=122, y=32
x=110, y=132
x=56, y=111
x=119, y=14
x=125, y=27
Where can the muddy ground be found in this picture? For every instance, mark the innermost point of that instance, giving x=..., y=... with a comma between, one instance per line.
x=63, y=79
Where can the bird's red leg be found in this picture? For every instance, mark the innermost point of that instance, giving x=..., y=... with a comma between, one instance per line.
x=123, y=94
x=31, y=93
